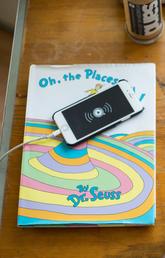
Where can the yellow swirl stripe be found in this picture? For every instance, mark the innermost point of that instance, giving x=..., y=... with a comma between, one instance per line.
x=142, y=209
x=67, y=161
x=143, y=146
x=134, y=135
x=124, y=155
x=77, y=176
x=38, y=196
x=45, y=142
x=31, y=129
x=131, y=173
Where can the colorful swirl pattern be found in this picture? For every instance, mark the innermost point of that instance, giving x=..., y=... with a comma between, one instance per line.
x=51, y=171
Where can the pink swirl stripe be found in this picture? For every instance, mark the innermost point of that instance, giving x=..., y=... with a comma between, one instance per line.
x=125, y=182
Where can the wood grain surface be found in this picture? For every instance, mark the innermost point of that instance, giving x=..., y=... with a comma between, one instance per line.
x=5, y=50
x=69, y=32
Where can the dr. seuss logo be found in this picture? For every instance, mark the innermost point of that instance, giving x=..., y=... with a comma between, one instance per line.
x=92, y=194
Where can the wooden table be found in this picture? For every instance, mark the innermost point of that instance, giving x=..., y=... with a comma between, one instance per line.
x=68, y=32
x=5, y=50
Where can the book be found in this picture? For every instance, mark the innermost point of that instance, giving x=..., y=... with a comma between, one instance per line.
x=107, y=180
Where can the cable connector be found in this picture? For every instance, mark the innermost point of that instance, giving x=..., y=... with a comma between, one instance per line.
x=54, y=134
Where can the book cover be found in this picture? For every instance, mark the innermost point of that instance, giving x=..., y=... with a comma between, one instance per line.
x=106, y=180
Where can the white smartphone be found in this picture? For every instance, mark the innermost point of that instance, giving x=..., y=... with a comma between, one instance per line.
x=98, y=112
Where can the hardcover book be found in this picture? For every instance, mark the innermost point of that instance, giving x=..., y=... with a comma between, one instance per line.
x=107, y=180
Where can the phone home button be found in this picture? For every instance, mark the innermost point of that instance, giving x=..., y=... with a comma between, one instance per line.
x=64, y=128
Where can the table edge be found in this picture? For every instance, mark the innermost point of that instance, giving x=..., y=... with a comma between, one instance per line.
x=10, y=94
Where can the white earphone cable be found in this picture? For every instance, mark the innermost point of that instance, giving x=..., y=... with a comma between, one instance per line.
x=52, y=135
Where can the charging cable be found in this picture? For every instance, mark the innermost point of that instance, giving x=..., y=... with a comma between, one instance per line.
x=52, y=135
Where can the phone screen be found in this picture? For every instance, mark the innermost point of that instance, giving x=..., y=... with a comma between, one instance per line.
x=97, y=112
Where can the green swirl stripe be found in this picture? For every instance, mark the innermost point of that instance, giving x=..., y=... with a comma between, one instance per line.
x=127, y=150
x=117, y=143
x=105, y=180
